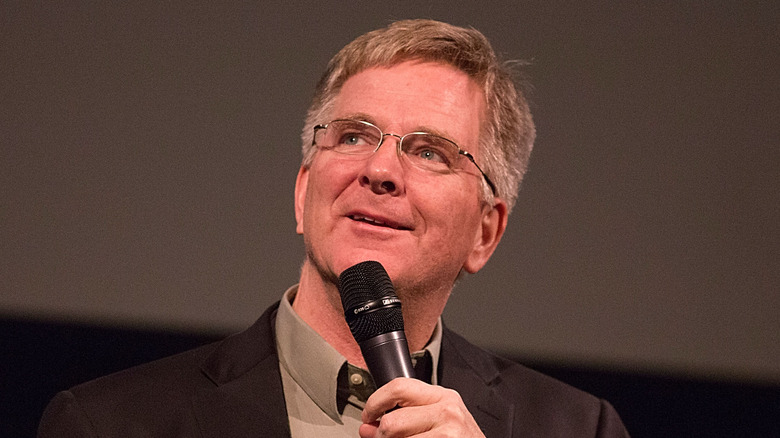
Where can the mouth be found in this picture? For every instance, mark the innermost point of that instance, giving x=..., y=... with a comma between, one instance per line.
x=377, y=222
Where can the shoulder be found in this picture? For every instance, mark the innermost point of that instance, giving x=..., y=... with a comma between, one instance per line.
x=204, y=366
x=511, y=379
x=158, y=395
x=180, y=373
x=138, y=397
x=541, y=404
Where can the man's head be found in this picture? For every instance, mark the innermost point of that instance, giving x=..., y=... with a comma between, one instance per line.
x=390, y=204
x=507, y=132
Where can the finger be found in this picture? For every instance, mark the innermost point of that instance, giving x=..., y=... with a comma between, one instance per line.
x=368, y=430
x=448, y=419
x=399, y=392
x=408, y=421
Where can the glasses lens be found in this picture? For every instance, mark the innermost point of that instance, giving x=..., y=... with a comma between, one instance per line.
x=431, y=152
x=350, y=137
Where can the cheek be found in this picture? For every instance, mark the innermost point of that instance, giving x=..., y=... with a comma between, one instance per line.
x=327, y=180
x=453, y=218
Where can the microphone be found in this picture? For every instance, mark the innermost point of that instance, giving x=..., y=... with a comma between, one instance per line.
x=373, y=313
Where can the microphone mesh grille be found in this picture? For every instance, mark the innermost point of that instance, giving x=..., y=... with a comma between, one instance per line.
x=363, y=283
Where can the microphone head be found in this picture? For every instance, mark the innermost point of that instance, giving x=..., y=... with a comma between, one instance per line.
x=369, y=300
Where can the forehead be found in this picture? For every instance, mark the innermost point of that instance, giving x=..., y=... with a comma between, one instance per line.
x=414, y=96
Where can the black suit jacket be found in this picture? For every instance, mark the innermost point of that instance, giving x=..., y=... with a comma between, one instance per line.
x=233, y=388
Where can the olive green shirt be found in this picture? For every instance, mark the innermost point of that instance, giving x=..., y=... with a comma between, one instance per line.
x=311, y=371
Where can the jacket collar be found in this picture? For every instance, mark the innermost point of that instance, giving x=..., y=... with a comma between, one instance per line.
x=248, y=398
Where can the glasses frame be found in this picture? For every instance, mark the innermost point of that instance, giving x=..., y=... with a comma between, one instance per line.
x=401, y=138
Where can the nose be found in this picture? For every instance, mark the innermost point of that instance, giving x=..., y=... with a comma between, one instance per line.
x=383, y=172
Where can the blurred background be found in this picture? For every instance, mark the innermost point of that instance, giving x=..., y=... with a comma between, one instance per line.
x=149, y=153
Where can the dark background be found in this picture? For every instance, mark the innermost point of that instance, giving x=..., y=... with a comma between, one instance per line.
x=149, y=153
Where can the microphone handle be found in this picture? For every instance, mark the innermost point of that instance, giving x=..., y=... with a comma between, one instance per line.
x=387, y=357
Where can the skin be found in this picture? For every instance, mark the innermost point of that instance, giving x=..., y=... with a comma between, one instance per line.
x=423, y=228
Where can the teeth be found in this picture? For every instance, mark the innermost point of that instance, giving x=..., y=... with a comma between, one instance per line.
x=368, y=219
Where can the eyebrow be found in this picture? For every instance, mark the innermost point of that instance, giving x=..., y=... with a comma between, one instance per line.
x=420, y=128
x=358, y=116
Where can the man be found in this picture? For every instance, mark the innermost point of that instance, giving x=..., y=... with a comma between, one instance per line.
x=413, y=147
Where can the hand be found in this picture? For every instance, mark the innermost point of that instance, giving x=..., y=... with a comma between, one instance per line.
x=423, y=409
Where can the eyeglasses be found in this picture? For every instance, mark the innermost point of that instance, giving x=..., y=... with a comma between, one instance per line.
x=426, y=151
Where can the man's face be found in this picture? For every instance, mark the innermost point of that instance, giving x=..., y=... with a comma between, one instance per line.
x=422, y=226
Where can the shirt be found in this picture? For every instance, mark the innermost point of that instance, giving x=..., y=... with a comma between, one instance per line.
x=323, y=393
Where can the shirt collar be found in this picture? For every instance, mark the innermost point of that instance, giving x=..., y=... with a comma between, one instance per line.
x=307, y=357
x=314, y=364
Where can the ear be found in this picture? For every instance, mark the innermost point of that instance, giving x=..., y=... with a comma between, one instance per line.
x=487, y=236
x=301, y=182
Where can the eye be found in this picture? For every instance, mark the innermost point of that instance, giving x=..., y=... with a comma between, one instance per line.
x=352, y=139
x=431, y=154
x=430, y=151
x=350, y=134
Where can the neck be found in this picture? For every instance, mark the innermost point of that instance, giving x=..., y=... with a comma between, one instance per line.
x=318, y=303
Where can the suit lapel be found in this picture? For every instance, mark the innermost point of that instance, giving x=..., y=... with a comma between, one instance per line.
x=248, y=399
x=468, y=370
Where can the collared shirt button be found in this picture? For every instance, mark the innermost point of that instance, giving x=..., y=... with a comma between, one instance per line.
x=356, y=379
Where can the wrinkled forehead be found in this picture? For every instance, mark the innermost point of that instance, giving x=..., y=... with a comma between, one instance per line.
x=415, y=96
x=357, y=65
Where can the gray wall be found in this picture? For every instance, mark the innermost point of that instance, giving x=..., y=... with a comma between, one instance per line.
x=149, y=153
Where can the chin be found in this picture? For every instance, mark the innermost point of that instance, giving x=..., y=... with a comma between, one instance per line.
x=390, y=263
